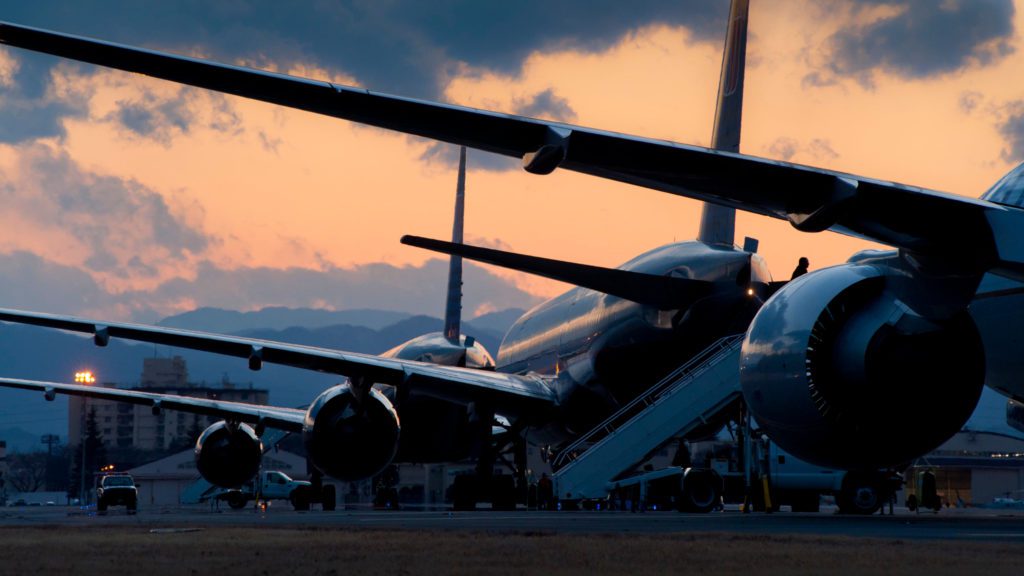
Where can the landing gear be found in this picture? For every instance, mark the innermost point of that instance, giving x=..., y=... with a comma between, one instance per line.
x=861, y=493
x=329, y=498
x=702, y=491
x=506, y=448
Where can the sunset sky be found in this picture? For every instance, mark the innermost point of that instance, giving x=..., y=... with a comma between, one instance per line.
x=134, y=198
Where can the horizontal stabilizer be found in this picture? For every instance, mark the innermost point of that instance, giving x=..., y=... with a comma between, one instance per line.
x=663, y=292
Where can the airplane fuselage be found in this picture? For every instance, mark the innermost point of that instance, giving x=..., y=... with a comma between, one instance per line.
x=603, y=350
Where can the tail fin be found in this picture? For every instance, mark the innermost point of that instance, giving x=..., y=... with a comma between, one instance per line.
x=718, y=223
x=453, y=308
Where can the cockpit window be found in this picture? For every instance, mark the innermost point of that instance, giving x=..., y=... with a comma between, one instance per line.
x=1009, y=191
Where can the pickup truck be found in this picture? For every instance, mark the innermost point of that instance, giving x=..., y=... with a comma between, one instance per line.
x=276, y=485
x=116, y=490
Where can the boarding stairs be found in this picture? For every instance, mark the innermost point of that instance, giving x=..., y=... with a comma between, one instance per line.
x=688, y=397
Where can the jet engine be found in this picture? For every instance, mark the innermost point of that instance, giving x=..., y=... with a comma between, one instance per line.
x=350, y=435
x=228, y=455
x=841, y=372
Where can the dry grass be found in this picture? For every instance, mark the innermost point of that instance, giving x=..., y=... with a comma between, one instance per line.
x=309, y=551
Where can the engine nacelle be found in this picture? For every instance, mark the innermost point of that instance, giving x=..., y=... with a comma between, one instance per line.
x=350, y=439
x=841, y=373
x=228, y=455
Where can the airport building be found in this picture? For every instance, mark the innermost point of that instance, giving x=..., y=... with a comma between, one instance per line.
x=127, y=425
x=981, y=463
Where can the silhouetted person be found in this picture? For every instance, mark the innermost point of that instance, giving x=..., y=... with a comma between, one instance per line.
x=545, y=493
x=801, y=268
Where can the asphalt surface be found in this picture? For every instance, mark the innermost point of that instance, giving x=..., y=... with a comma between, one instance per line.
x=963, y=525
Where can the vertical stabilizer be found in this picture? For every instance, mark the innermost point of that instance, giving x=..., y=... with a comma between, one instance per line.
x=718, y=223
x=453, y=310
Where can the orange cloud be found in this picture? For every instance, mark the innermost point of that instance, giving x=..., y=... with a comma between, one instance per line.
x=280, y=188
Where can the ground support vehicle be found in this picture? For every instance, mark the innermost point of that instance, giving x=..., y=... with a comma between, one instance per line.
x=276, y=485
x=116, y=489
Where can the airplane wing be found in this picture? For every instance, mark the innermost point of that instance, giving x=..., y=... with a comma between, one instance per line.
x=811, y=199
x=290, y=419
x=517, y=394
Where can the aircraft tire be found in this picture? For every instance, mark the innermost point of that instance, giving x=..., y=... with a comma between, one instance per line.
x=329, y=498
x=861, y=494
x=300, y=499
x=237, y=501
x=702, y=491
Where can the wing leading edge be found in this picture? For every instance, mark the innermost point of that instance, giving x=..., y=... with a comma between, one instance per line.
x=811, y=199
x=517, y=394
x=289, y=419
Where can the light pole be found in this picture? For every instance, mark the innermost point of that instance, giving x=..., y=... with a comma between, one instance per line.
x=84, y=377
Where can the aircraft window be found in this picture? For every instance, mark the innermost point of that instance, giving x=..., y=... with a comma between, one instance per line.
x=1009, y=190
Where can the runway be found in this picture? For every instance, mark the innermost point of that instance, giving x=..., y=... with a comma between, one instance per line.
x=963, y=525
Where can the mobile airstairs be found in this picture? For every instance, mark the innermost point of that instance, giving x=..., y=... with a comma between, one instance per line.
x=688, y=397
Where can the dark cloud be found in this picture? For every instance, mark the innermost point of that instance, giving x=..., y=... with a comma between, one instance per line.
x=1012, y=129
x=547, y=105
x=818, y=149
x=927, y=37
x=27, y=110
x=413, y=289
x=33, y=283
x=969, y=101
x=160, y=118
x=544, y=104
x=783, y=148
x=112, y=218
x=448, y=155
x=402, y=46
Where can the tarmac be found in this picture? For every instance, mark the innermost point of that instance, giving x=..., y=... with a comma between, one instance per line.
x=980, y=525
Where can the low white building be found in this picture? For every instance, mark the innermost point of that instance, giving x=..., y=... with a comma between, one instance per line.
x=165, y=482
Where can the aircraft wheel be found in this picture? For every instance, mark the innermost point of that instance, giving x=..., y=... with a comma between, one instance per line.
x=237, y=501
x=329, y=498
x=861, y=494
x=702, y=491
x=300, y=498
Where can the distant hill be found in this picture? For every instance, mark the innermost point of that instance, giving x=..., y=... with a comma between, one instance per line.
x=361, y=339
x=279, y=318
x=499, y=321
x=20, y=440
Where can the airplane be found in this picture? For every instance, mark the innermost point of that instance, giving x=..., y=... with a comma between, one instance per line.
x=863, y=365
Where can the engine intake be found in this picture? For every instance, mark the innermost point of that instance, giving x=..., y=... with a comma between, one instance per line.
x=228, y=455
x=843, y=374
x=348, y=438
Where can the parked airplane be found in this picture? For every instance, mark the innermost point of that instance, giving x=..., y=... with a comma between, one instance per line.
x=830, y=365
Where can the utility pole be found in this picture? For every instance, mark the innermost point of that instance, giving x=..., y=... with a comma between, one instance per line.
x=49, y=440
